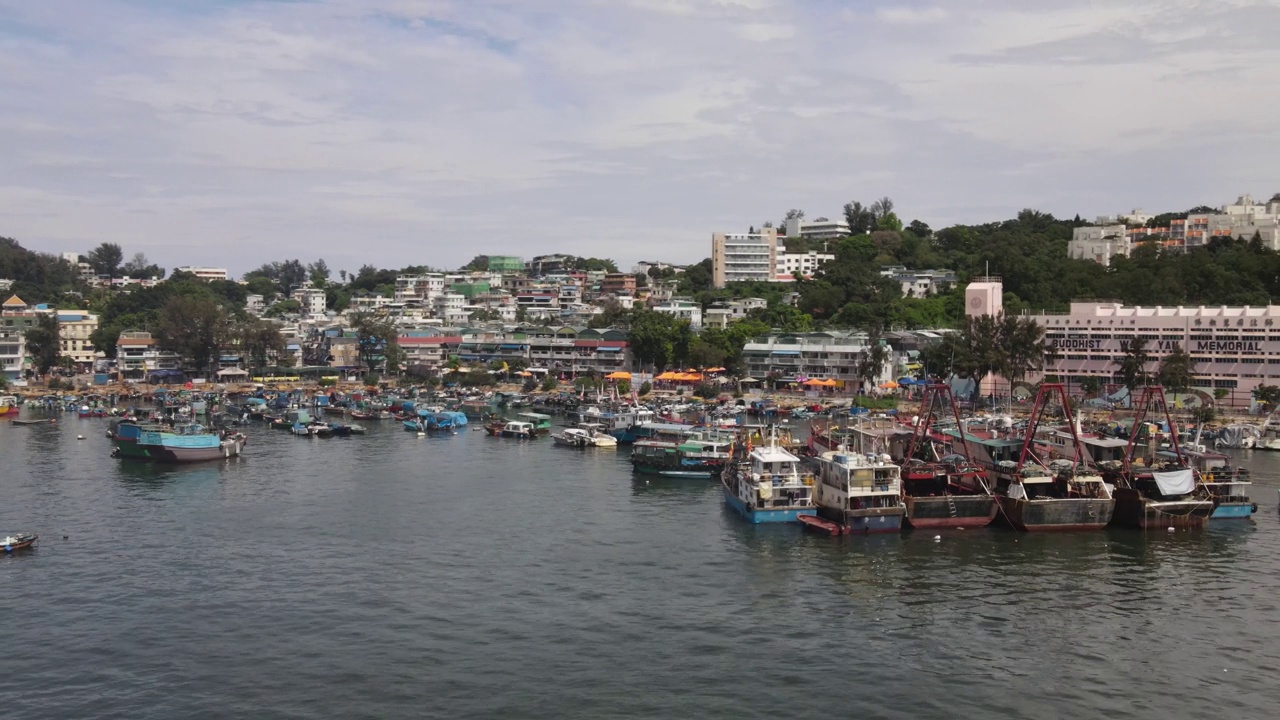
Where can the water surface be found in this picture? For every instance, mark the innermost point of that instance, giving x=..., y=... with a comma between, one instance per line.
x=466, y=576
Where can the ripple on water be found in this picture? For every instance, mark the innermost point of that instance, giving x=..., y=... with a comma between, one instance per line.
x=464, y=576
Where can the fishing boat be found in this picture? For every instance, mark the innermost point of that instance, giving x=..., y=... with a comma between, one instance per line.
x=541, y=423
x=768, y=485
x=694, y=457
x=600, y=437
x=629, y=425
x=943, y=490
x=863, y=492
x=187, y=443
x=1164, y=491
x=1228, y=485
x=514, y=429
x=9, y=405
x=18, y=541
x=290, y=419
x=1039, y=495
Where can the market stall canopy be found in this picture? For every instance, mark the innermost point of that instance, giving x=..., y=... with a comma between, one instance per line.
x=749, y=380
x=233, y=372
x=889, y=385
x=618, y=375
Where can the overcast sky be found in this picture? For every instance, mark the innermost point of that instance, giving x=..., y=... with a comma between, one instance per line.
x=399, y=132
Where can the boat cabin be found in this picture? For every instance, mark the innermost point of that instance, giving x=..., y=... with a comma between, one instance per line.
x=540, y=422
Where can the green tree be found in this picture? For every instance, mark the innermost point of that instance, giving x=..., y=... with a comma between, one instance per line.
x=194, y=329
x=1090, y=385
x=1177, y=370
x=889, y=221
x=377, y=342
x=860, y=219
x=106, y=259
x=1131, y=368
x=318, y=273
x=646, y=387
x=1268, y=395
x=43, y=342
x=549, y=383
x=140, y=268
x=872, y=362
x=259, y=342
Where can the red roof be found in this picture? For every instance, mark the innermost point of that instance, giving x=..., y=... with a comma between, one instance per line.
x=599, y=343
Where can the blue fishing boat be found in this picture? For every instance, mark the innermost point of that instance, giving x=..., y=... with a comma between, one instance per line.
x=628, y=426
x=768, y=486
x=187, y=443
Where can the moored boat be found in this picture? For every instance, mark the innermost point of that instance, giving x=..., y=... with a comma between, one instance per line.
x=1166, y=492
x=572, y=437
x=863, y=492
x=514, y=429
x=1067, y=495
x=768, y=485
x=694, y=457
x=943, y=490
x=186, y=443
x=9, y=405
x=18, y=541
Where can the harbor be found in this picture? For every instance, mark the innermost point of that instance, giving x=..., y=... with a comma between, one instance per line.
x=583, y=548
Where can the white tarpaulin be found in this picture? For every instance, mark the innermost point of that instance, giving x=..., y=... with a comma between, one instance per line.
x=1178, y=482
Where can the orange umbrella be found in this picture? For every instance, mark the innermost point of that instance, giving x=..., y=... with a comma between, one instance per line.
x=619, y=375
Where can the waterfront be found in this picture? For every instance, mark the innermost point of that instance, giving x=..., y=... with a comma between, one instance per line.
x=466, y=576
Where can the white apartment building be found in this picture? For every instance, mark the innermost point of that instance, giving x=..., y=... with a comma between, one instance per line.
x=793, y=265
x=832, y=355
x=255, y=303
x=819, y=229
x=720, y=314
x=208, y=274
x=419, y=287
x=137, y=354
x=1099, y=243
x=451, y=308
x=312, y=300
x=5, y=285
x=368, y=303
x=683, y=309
x=919, y=283
x=74, y=330
x=738, y=257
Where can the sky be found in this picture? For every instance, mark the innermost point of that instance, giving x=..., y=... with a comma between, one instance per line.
x=423, y=132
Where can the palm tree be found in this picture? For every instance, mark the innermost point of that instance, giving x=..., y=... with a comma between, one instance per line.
x=1132, y=366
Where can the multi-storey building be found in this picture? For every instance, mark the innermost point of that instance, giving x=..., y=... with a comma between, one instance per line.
x=1233, y=348
x=138, y=355
x=919, y=283
x=506, y=264
x=451, y=308
x=419, y=287
x=1243, y=219
x=312, y=299
x=683, y=309
x=737, y=257
x=796, y=357
x=547, y=265
x=75, y=327
x=820, y=229
x=204, y=273
x=15, y=320
x=800, y=264
x=720, y=314
x=429, y=350
x=618, y=284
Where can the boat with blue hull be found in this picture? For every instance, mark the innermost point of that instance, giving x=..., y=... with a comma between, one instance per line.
x=183, y=444
x=768, y=486
x=862, y=492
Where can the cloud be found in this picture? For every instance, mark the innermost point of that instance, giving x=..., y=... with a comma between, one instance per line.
x=401, y=132
x=911, y=16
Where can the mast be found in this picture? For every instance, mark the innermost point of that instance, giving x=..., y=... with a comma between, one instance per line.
x=1043, y=396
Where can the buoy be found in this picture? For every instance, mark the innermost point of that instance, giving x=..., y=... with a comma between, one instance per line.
x=422, y=434
x=937, y=538
x=79, y=437
x=1173, y=529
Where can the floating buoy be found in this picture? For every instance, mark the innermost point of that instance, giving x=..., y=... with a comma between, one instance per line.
x=1173, y=529
x=79, y=437
x=937, y=538
x=422, y=434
